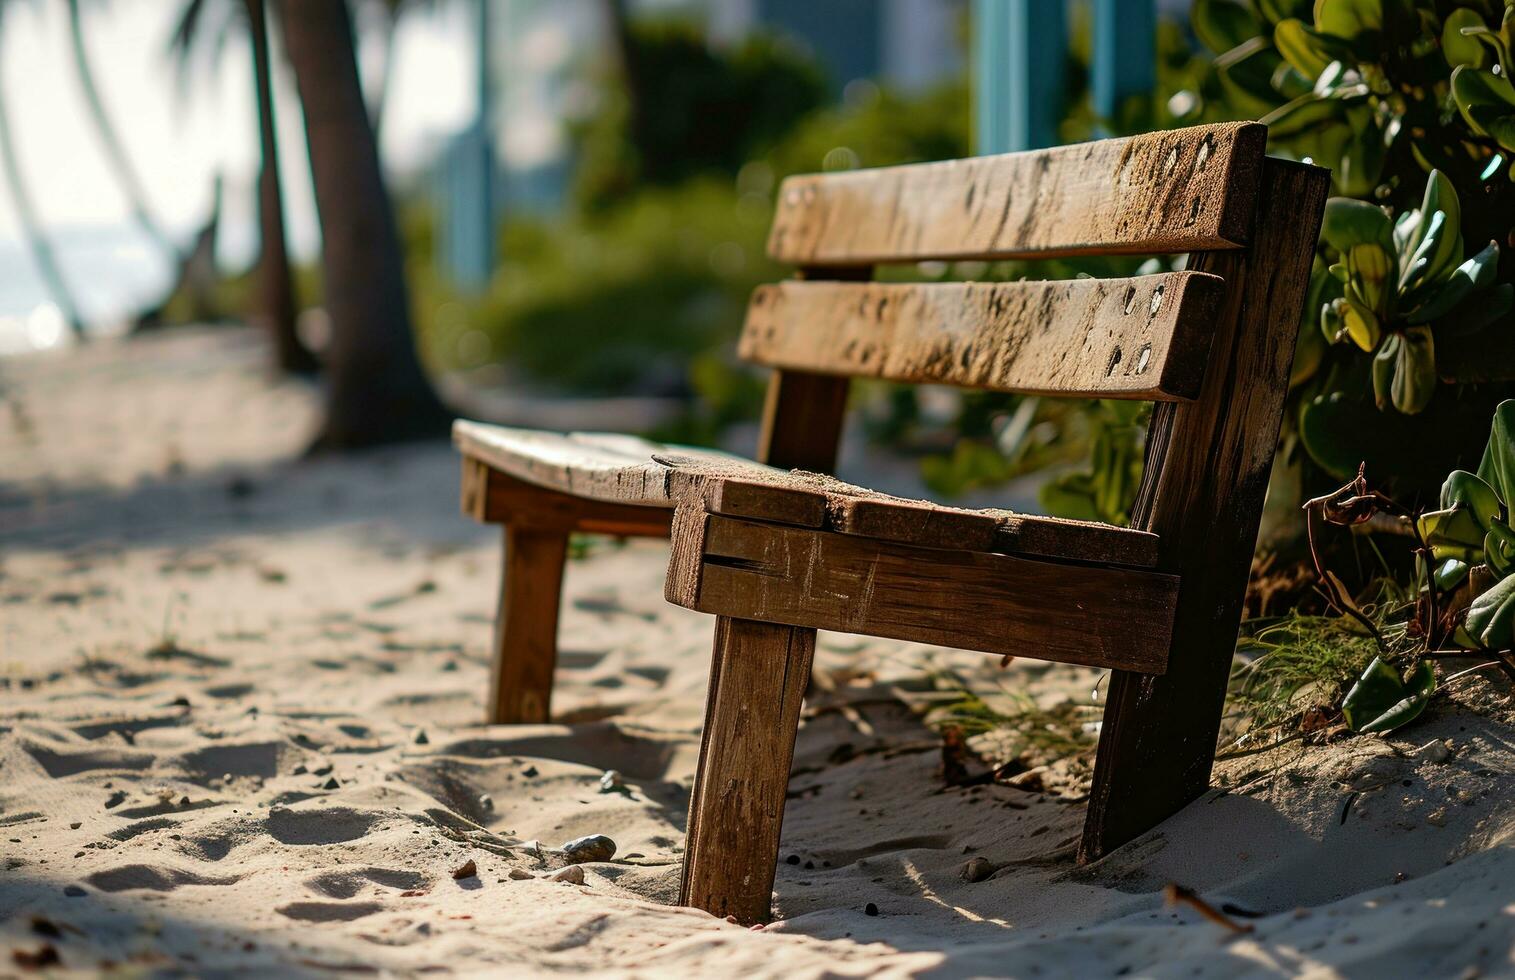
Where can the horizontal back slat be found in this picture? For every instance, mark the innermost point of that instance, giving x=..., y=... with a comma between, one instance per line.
x=1181, y=190
x=1146, y=337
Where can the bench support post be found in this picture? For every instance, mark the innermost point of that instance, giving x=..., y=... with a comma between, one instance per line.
x=804, y=412
x=802, y=421
x=526, y=629
x=1207, y=472
x=758, y=674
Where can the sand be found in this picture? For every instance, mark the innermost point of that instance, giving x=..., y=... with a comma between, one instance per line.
x=239, y=705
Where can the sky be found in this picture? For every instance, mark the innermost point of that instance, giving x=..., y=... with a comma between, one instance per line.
x=179, y=138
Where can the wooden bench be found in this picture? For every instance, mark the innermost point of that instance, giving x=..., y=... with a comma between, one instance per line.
x=776, y=555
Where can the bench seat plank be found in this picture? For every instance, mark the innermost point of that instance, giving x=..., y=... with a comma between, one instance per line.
x=1143, y=337
x=618, y=470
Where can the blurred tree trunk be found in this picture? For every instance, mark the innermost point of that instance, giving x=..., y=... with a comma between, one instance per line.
x=115, y=152
x=36, y=239
x=377, y=391
x=631, y=72
x=276, y=288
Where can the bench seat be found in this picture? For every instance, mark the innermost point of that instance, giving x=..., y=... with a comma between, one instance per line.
x=622, y=471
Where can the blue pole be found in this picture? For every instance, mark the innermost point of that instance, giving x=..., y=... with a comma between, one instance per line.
x=1019, y=51
x=470, y=226
x=1124, y=55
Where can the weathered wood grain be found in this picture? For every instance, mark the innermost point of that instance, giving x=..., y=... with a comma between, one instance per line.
x=758, y=675
x=1144, y=337
x=624, y=485
x=727, y=489
x=1079, y=614
x=1176, y=191
x=493, y=497
x=597, y=466
x=526, y=628
x=804, y=412
x=1207, y=473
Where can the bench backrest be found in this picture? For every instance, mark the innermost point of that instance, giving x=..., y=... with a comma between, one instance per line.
x=1212, y=346
x=1145, y=337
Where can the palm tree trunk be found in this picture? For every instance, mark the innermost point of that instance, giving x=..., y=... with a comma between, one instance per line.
x=36, y=239
x=377, y=391
x=115, y=153
x=276, y=287
x=632, y=76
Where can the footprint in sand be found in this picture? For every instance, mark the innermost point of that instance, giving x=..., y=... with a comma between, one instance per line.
x=159, y=878
x=328, y=911
x=331, y=825
x=60, y=761
x=347, y=882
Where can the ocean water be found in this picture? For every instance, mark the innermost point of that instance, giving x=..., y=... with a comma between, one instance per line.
x=112, y=271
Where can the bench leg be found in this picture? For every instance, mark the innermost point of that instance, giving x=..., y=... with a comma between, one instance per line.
x=758, y=675
x=1207, y=476
x=526, y=630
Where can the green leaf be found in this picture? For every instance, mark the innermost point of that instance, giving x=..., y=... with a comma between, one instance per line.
x=1491, y=617
x=1349, y=222
x=1349, y=19
x=1453, y=532
x=1297, y=44
x=1475, y=493
x=1362, y=325
x=1376, y=703
x=1455, y=46
x=1414, y=371
x=1482, y=97
x=1474, y=274
x=1418, y=691
x=1246, y=71
x=1309, y=353
x=1451, y=574
x=1383, y=372
x=1436, y=244
x=1499, y=549
x=1302, y=114
x=1469, y=508
x=1497, y=468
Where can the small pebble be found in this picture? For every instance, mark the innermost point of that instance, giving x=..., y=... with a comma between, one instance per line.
x=596, y=847
x=520, y=874
x=486, y=801
x=468, y=869
x=572, y=874
x=75, y=825
x=870, y=909
x=331, y=783
x=976, y=869
x=116, y=799
x=530, y=772
x=420, y=737
x=1437, y=818
x=1433, y=751
x=611, y=782
x=74, y=891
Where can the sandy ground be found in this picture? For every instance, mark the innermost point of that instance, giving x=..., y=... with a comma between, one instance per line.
x=239, y=703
